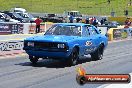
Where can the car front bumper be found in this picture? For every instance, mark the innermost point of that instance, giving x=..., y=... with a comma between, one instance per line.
x=50, y=54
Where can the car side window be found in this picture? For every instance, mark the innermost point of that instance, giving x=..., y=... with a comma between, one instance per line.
x=25, y=16
x=88, y=31
x=93, y=31
x=85, y=32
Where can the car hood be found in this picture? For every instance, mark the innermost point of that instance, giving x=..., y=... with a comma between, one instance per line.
x=53, y=38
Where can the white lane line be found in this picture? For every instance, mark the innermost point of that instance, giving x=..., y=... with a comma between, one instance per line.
x=129, y=85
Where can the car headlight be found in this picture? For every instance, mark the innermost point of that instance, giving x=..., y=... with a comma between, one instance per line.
x=61, y=45
x=30, y=44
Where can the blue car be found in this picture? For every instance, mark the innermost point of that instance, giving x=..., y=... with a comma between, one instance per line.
x=67, y=41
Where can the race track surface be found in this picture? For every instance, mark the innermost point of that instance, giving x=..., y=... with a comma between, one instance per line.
x=18, y=72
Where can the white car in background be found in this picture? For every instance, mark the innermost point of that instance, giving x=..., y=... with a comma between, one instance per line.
x=7, y=18
x=22, y=12
x=27, y=16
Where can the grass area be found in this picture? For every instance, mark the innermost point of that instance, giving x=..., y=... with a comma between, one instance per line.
x=89, y=7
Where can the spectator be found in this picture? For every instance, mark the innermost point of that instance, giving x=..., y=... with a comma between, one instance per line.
x=78, y=20
x=126, y=12
x=105, y=20
x=127, y=23
x=90, y=20
x=71, y=18
x=95, y=22
x=38, y=21
x=87, y=20
x=102, y=21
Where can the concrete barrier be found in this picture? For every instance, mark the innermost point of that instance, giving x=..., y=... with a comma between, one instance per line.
x=119, y=33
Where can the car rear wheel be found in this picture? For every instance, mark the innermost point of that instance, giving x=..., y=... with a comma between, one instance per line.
x=98, y=54
x=33, y=59
x=73, y=58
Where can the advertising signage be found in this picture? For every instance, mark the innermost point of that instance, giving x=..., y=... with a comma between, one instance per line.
x=11, y=28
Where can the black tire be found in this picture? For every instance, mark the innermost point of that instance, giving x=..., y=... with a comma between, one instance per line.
x=34, y=60
x=73, y=58
x=98, y=54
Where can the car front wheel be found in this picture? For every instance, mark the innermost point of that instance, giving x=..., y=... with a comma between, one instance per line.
x=33, y=59
x=73, y=58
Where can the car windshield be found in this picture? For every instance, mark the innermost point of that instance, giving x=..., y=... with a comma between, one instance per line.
x=6, y=16
x=31, y=16
x=20, y=14
x=68, y=30
x=17, y=15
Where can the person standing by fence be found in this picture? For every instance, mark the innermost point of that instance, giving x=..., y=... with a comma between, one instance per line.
x=128, y=22
x=71, y=18
x=102, y=21
x=126, y=12
x=38, y=21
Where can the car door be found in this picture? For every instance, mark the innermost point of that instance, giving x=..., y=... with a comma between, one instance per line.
x=89, y=42
x=95, y=36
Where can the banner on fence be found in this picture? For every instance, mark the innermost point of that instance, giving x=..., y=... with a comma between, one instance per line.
x=122, y=33
x=11, y=45
x=22, y=28
x=11, y=28
x=5, y=28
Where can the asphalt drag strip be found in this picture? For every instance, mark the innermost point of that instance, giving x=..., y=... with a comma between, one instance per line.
x=18, y=72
